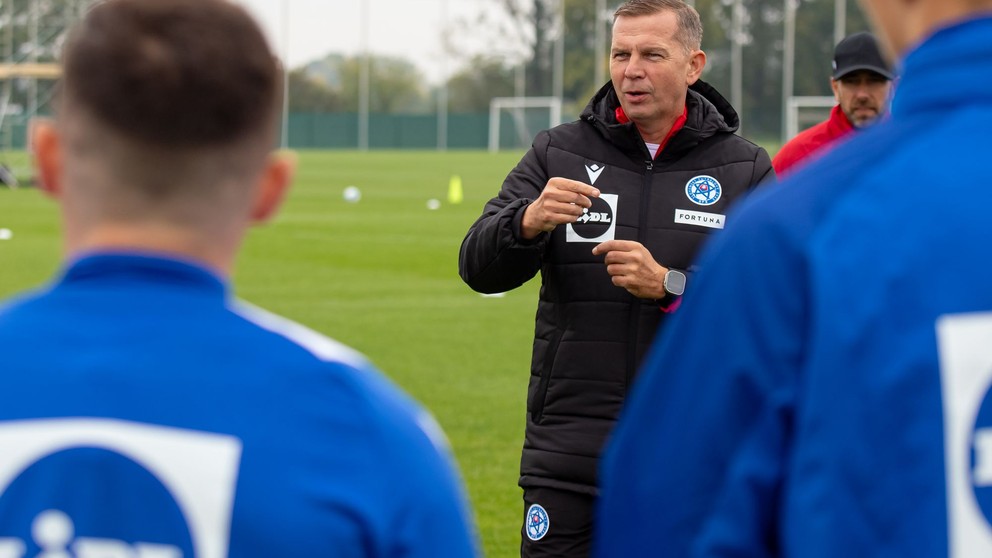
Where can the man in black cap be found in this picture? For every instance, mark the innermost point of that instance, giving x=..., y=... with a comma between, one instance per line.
x=862, y=85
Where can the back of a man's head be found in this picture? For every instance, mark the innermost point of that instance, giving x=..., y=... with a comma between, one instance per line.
x=167, y=113
x=175, y=74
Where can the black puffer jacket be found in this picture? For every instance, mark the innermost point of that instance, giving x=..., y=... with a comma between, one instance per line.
x=590, y=335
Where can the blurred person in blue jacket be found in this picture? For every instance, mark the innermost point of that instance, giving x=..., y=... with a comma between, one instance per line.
x=825, y=389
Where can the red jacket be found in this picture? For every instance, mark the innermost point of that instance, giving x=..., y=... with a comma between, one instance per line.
x=811, y=141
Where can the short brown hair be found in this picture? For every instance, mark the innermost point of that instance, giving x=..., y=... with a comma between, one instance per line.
x=690, y=32
x=173, y=73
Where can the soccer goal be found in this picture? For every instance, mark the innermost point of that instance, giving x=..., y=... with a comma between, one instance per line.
x=13, y=117
x=804, y=112
x=514, y=121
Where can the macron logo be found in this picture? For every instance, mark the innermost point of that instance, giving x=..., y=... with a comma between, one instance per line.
x=594, y=170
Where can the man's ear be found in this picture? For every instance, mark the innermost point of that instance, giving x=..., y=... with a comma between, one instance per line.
x=697, y=62
x=835, y=87
x=46, y=145
x=275, y=181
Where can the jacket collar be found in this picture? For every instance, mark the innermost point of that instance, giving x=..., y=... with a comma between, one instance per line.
x=838, y=124
x=707, y=113
x=132, y=268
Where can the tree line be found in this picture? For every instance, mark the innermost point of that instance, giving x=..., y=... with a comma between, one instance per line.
x=398, y=86
x=531, y=28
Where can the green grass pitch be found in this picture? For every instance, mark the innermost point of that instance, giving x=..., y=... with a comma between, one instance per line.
x=380, y=275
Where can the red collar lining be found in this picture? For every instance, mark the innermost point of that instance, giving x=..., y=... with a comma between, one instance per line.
x=679, y=124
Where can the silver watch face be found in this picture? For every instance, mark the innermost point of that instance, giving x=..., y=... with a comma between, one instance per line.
x=674, y=282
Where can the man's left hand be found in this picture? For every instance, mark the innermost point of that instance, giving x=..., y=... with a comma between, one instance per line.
x=632, y=267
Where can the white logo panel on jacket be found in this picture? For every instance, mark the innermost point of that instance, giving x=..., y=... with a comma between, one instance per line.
x=198, y=471
x=599, y=222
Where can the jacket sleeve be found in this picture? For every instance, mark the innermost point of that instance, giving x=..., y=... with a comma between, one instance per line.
x=493, y=257
x=696, y=464
x=764, y=171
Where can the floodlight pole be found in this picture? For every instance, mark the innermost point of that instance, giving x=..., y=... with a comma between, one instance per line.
x=558, y=72
x=363, y=82
x=8, y=55
x=33, y=17
x=840, y=20
x=284, y=142
x=788, y=63
x=600, y=41
x=442, y=95
x=736, y=58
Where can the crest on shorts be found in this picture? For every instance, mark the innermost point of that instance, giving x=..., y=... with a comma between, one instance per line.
x=703, y=190
x=538, y=522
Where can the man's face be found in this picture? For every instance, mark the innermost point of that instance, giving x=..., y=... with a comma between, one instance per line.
x=863, y=96
x=651, y=71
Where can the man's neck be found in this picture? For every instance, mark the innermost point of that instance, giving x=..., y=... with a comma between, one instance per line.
x=213, y=253
x=656, y=132
x=671, y=129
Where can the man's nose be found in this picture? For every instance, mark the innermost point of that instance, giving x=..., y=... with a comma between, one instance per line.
x=635, y=68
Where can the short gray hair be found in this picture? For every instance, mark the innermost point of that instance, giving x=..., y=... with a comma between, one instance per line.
x=690, y=28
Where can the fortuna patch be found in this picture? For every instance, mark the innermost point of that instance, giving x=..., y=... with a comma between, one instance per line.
x=703, y=190
x=700, y=219
x=538, y=522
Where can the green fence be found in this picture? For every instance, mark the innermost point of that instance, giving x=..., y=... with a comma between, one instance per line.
x=385, y=131
x=411, y=131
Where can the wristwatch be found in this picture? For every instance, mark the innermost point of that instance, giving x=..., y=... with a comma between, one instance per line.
x=674, y=282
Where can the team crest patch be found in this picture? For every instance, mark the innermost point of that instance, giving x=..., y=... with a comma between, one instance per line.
x=703, y=190
x=538, y=522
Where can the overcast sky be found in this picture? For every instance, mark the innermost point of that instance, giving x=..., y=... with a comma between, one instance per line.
x=407, y=28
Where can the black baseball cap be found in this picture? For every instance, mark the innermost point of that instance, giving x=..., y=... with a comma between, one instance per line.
x=859, y=52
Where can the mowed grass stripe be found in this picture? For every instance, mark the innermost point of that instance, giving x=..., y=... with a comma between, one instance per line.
x=379, y=275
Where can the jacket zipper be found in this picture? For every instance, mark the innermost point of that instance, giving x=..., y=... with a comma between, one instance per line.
x=635, y=307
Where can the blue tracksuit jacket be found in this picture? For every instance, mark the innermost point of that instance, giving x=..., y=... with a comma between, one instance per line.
x=824, y=390
x=146, y=414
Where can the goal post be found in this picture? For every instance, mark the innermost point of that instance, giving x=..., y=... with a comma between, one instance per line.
x=523, y=119
x=803, y=112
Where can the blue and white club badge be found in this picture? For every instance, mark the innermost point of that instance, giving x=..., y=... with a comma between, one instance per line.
x=703, y=190
x=538, y=522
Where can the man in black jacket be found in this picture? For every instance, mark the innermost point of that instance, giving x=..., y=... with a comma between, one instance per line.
x=611, y=209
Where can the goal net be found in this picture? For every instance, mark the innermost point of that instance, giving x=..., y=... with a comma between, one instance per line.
x=514, y=121
x=804, y=112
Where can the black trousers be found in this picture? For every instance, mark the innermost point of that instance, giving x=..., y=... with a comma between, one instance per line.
x=556, y=523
